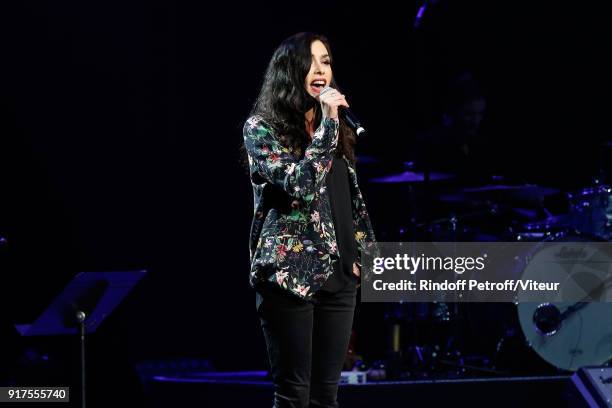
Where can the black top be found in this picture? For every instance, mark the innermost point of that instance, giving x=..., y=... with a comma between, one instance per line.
x=338, y=189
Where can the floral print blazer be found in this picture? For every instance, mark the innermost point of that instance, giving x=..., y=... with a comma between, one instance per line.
x=292, y=239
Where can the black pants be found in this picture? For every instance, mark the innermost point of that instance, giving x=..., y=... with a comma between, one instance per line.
x=307, y=343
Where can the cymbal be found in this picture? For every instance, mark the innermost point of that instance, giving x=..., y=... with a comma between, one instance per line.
x=369, y=159
x=504, y=187
x=364, y=159
x=518, y=192
x=411, y=177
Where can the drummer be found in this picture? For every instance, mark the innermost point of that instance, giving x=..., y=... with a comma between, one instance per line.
x=456, y=145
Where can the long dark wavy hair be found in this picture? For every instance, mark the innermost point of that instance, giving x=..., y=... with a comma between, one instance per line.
x=283, y=100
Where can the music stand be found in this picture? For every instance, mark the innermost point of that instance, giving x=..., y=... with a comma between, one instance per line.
x=82, y=306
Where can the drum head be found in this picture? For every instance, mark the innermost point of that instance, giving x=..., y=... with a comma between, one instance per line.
x=569, y=335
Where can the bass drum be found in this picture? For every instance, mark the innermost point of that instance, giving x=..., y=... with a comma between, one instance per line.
x=570, y=335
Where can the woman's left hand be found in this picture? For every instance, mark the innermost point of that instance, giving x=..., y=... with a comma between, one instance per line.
x=357, y=271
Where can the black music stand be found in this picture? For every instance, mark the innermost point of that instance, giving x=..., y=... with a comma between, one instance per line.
x=82, y=306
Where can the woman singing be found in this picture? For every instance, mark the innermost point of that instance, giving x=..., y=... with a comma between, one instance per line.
x=310, y=224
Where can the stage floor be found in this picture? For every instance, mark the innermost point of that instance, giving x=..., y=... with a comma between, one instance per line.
x=254, y=389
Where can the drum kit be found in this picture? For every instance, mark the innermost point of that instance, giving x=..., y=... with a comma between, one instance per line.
x=434, y=207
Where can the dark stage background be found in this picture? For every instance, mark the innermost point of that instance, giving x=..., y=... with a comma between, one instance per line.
x=121, y=126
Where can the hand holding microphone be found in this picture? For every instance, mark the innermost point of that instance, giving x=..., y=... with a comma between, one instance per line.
x=331, y=100
x=334, y=104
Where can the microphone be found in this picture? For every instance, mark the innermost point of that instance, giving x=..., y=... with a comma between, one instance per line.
x=351, y=120
x=348, y=117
